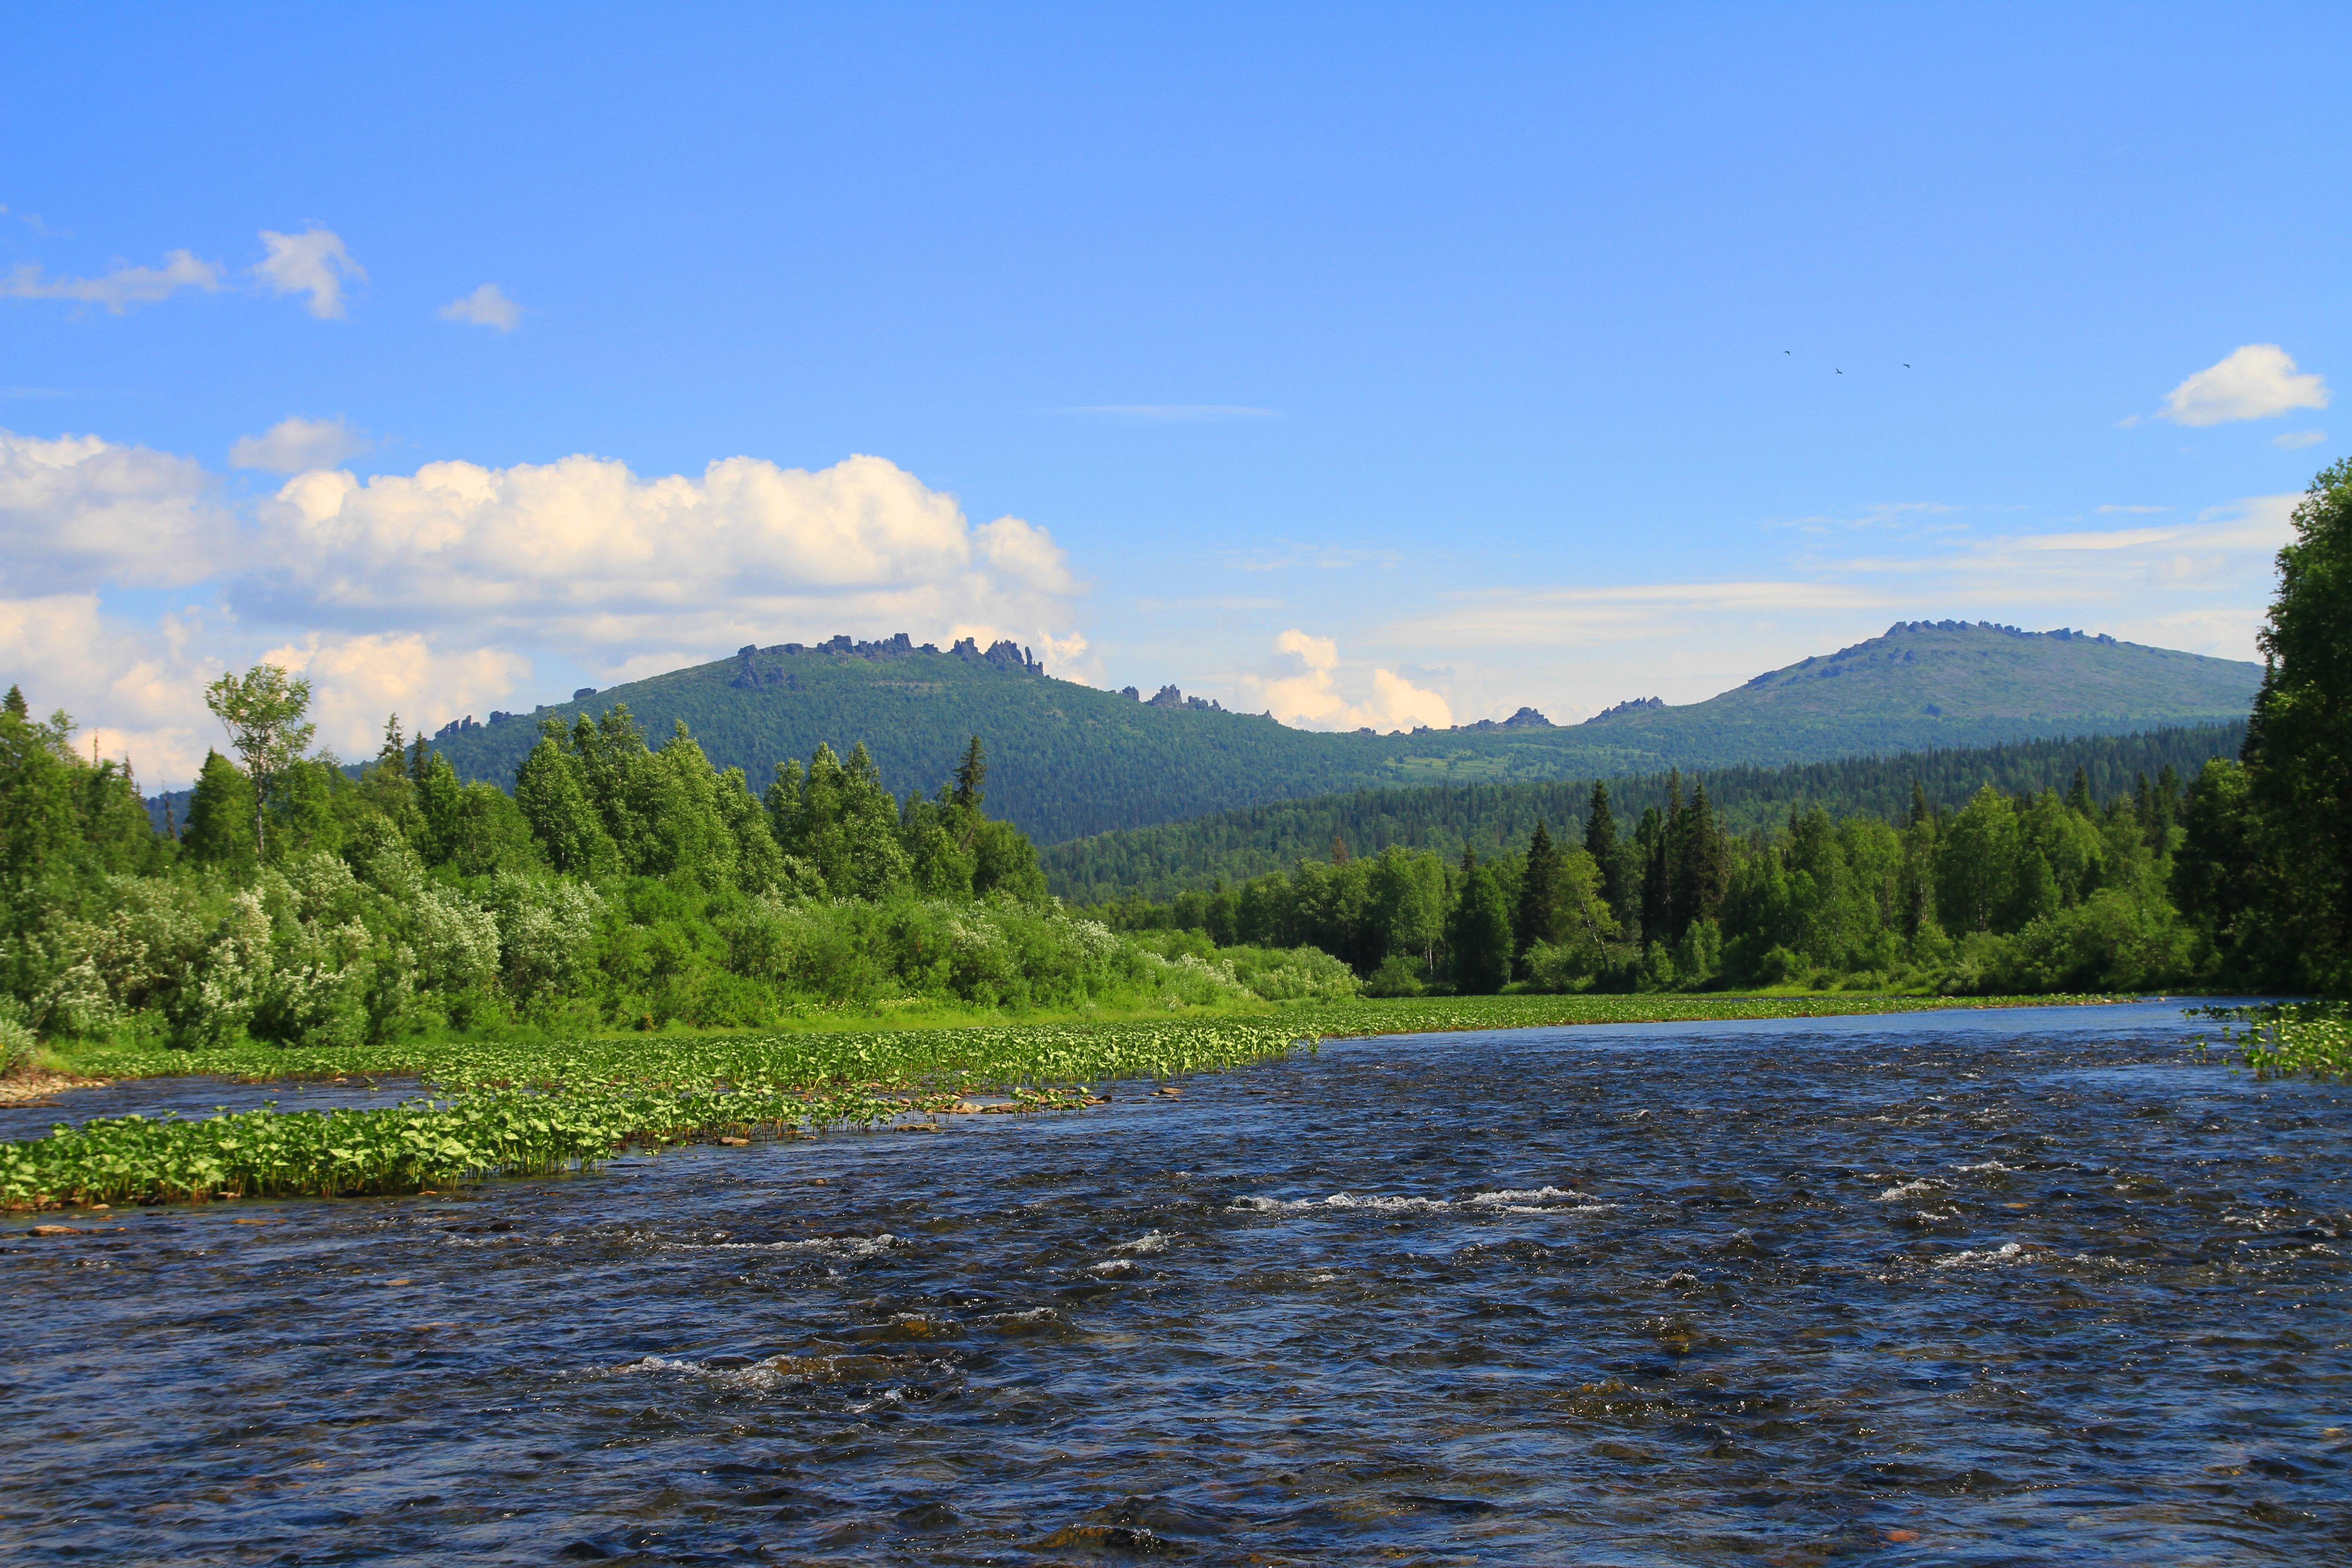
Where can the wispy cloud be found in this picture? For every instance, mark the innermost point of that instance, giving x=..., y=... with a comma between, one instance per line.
x=2257, y=382
x=297, y=446
x=313, y=262
x=32, y=221
x=2295, y=440
x=486, y=305
x=1902, y=517
x=122, y=287
x=2109, y=510
x=1595, y=617
x=1323, y=557
x=1172, y=413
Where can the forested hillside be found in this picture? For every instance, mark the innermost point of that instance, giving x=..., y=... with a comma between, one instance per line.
x=1236, y=846
x=1076, y=761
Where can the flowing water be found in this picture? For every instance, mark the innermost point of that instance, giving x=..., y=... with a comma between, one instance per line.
x=2003, y=1287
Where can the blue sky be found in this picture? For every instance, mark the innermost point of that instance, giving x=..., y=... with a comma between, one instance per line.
x=1373, y=364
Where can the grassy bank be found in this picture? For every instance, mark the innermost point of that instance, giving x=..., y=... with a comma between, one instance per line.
x=528, y=1106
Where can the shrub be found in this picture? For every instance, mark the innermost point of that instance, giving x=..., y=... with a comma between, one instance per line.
x=1397, y=976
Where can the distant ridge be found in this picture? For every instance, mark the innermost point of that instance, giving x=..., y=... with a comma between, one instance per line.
x=1067, y=761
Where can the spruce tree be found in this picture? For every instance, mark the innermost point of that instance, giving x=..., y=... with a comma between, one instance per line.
x=1481, y=933
x=970, y=776
x=1608, y=852
x=2078, y=794
x=1701, y=873
x=1540, y=914
x=220, y=830
x=1658, y=896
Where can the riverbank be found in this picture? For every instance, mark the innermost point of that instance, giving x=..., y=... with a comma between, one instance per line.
x=670, y=1055
x=524, y=1107
x=31, y=1087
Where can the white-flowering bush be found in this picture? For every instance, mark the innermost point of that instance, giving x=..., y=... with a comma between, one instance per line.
x=212, y=1002
x=18, y=1047
x=456, y=943
x=547, y=931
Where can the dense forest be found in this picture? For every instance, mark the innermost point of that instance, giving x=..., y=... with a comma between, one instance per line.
x=618, y=884
x=1236, y=846
x=2239, y=875
x=1074, y=760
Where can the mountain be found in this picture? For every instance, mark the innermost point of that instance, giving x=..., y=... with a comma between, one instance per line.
x=1231, y=847
x=1067, y=761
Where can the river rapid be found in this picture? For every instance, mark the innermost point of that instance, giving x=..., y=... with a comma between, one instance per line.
x=2024, y=1287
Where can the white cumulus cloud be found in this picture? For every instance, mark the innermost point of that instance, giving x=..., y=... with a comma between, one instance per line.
x=78, y=513
x=1309, y=697
x=360, y=680
x=585, y=556
x=486, y=305
x=313, y=262
x=297, y=444
x=138, y=689
x=429, y=594
x=2256, y=382
x=119, y=289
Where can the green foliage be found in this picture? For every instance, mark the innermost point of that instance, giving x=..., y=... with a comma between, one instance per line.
x=221, y=816
x=407, y=902
x=1159, y=863
x=1480, y=932
x=2044, y=893
x=263, y=711
x=2282, y=1039
x=2298, y=751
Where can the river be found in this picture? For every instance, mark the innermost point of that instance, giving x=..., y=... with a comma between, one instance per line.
x=2023, y=1287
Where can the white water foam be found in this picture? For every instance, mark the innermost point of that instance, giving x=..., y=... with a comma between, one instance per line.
x=1547, y=1201
x=1149, y=1241
x=2007, y=1252
x=1919, y=1189
x=829, y=1245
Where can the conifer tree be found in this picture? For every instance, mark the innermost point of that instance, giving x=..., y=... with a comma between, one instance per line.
x=1922, y=814
x=220, y=830
x=1657, y=895
x=1608, y=852
x=1481, y=933
x=1540, y=914
x=2078, y=794
x=1701, y=872
x=970, y=775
